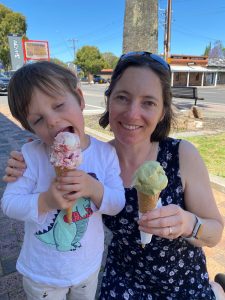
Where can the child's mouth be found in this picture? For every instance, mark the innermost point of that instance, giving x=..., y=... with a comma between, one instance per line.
x=67, y=129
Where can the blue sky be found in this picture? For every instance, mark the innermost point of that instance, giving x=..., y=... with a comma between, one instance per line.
x=195, y=23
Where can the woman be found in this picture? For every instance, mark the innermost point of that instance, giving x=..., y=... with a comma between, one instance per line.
x=171, y=266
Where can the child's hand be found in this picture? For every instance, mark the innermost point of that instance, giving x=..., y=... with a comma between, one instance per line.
x=76, y=184
x=53, y=199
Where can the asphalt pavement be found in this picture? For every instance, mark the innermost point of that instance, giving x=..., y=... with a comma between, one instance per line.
x=11, y=232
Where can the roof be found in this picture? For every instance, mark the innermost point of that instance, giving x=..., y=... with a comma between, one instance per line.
x=190, y=69
x=216, y=62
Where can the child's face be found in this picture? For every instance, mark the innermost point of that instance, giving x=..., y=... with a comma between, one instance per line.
x=50, y=115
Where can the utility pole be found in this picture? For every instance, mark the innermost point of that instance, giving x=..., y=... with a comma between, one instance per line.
x=167, y=35
x=74, y=41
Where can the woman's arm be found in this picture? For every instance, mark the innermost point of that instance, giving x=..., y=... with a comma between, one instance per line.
x=199, y=199
x=15, y=167
x=172, y=221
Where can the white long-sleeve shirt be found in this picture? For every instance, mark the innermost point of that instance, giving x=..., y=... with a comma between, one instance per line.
x=55, y=252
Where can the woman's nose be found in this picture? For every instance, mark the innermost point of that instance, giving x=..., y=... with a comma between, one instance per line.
x=134, y=109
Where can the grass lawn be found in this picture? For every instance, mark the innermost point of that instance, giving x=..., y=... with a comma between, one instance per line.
x=211, y=147
x=212, y=150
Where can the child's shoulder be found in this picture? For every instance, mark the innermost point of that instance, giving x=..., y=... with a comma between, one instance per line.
x=105, y=146
x=35, y=153
x=34, y=147
x=34, y=150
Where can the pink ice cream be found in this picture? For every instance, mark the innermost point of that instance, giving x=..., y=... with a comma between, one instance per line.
x=66, y=151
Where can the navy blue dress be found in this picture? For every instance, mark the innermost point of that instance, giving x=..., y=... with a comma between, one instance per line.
x=164, y=269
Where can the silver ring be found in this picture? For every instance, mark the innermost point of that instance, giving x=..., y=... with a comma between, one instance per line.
x=170, y=230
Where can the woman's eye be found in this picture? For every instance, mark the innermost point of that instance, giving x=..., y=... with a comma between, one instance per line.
x=122, y=98
x=149, y=103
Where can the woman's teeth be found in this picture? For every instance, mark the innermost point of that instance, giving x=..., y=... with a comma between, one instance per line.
x=130, y=127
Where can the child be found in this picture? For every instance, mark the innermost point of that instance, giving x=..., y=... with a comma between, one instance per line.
x=46, y=100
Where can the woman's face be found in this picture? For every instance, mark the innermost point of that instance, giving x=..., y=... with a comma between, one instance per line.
x=135, y=106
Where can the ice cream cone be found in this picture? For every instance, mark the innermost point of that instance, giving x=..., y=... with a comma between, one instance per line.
x=59, y=171
x=66, y=155
x=149, y=180
x=147, y=202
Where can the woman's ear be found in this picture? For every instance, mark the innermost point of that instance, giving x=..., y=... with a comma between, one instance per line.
x=81, y=96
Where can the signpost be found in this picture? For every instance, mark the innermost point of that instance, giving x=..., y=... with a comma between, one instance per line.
x=35, y=50
x=16, y=51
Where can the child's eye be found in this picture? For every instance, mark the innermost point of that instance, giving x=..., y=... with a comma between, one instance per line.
x=37, y=121
x=59, y=105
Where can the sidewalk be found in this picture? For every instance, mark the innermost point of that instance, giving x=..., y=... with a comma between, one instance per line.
x=11, y=231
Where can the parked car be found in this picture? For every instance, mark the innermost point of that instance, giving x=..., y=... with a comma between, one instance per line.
x=99, y=79
x=4, y=82
x=9, y=73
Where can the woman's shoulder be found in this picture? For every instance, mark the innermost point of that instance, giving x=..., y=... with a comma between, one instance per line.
x=183, y=148
x=169, y=145
x=186, y=148
x=170, y=141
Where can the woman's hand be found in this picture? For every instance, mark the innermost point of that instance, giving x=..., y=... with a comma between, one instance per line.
x=15, y=167
x=76, y=184
x=169, y=222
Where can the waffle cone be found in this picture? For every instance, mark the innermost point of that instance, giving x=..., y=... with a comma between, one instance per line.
x=59, y=171
x=146, y=202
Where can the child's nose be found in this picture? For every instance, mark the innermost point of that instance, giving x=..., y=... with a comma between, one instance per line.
x=52, y=121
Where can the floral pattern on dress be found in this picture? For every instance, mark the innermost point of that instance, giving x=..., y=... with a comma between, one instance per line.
x=164, y=269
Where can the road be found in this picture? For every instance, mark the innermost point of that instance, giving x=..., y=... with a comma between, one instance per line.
x=94, y=97
x=95, y=101
x=212, y=94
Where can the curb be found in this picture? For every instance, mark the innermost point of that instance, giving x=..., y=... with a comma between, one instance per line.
x=97, y=134
x=218, y=183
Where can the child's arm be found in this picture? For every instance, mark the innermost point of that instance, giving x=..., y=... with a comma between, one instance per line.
x=21, y=199
x=108, y=195
x=18, y=202
x=114, y=196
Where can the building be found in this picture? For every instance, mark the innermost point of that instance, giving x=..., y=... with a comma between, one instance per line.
x=192, y=70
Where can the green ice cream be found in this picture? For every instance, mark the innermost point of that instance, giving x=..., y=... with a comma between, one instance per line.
x=150, y=178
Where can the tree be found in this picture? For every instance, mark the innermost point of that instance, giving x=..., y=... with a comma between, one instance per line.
x=217, y=51
x=10, y=22
x=110, y=60
x=207, y=50
x=90, y=60
x=58, y=61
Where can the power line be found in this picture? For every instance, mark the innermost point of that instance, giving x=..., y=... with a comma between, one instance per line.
x=74, y=41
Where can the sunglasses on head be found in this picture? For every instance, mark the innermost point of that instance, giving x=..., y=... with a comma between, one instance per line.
x=150, y=55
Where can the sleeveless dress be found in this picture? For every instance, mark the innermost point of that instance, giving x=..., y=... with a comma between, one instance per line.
x=164, y=269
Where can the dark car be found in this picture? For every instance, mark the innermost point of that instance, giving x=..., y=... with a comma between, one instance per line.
x=9, y=73
x=4, y=82
x=99, y=79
